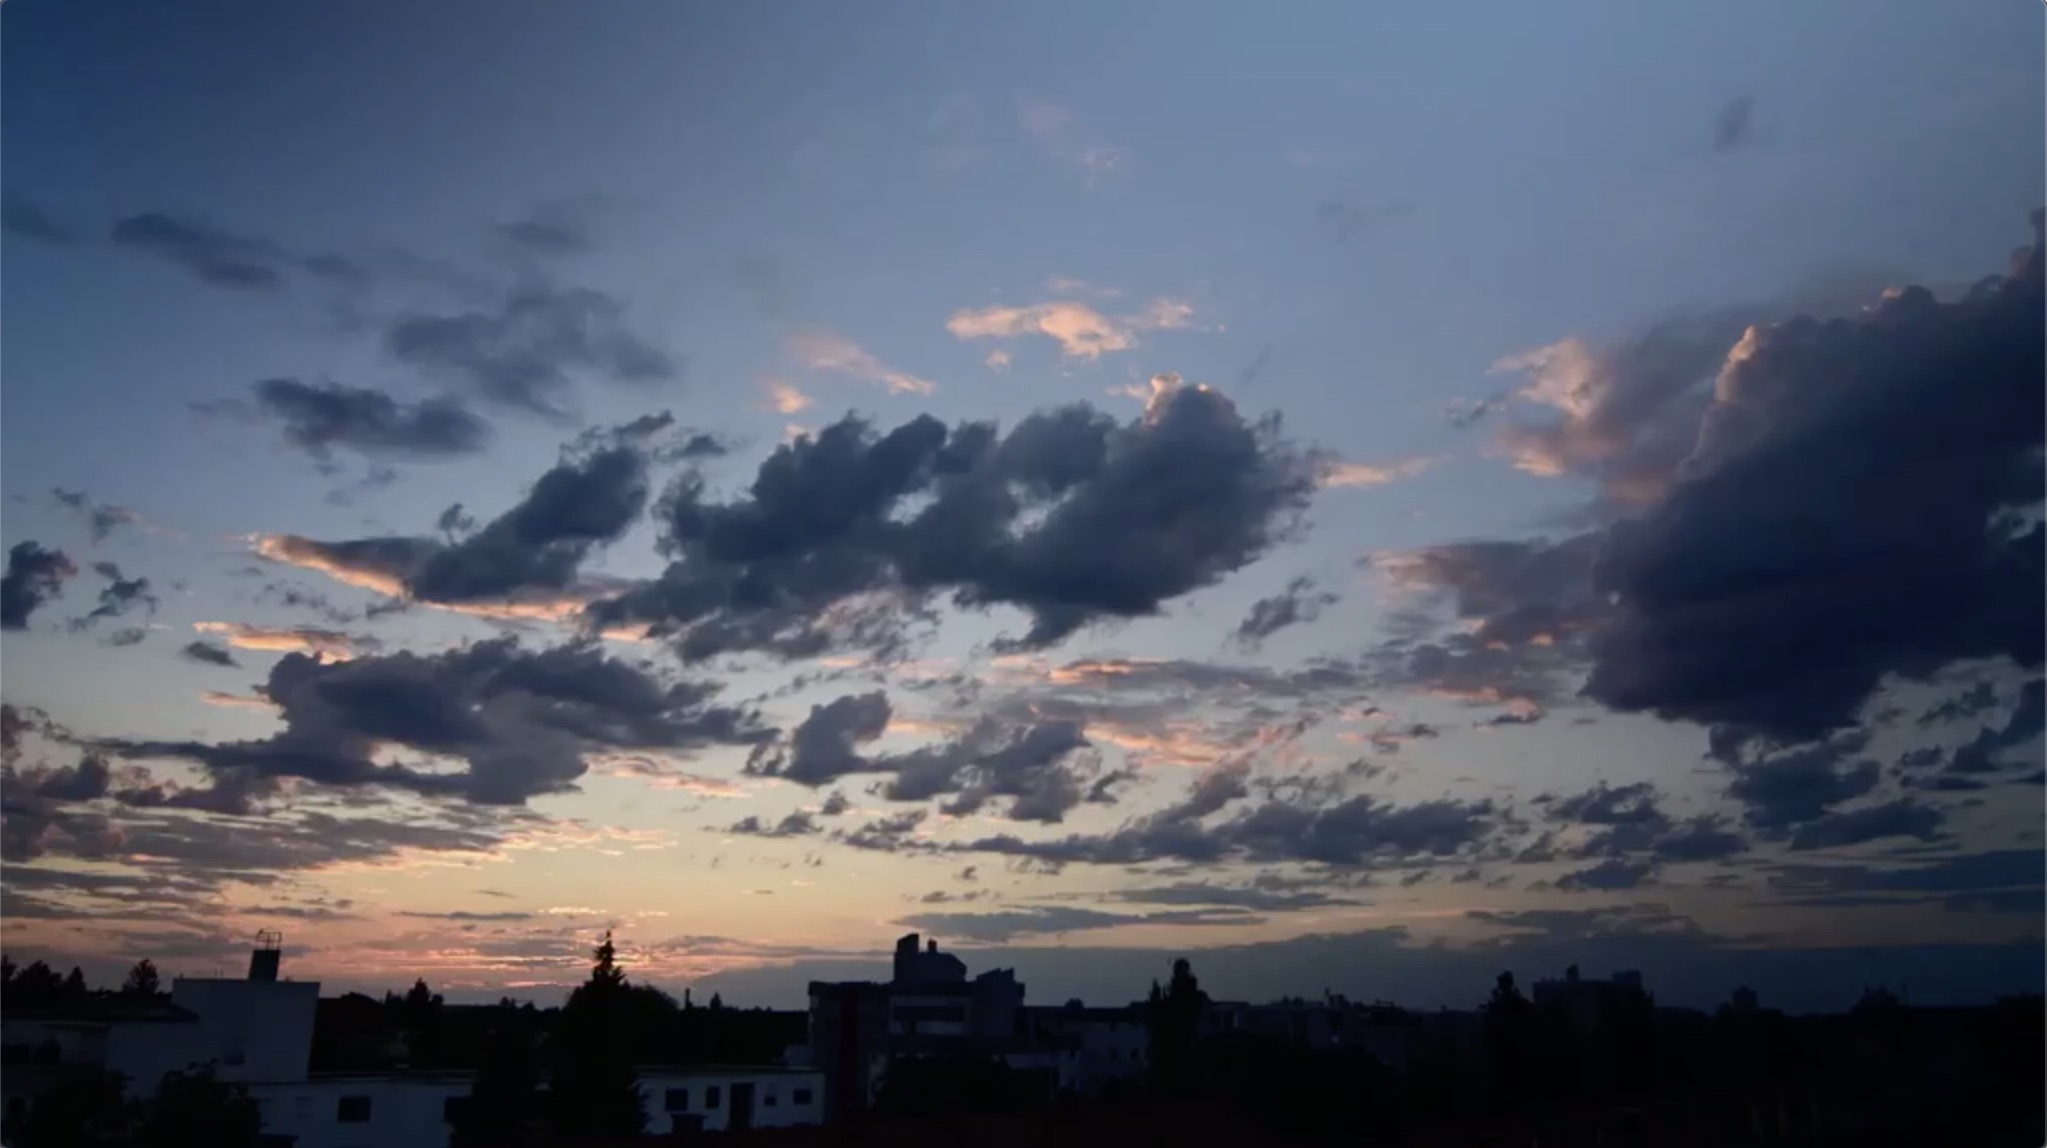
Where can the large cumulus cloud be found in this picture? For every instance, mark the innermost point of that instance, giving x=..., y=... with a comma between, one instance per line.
x=534, y=551
x=520, y=721
x=35, y=574
x=1855, y=500
x=1069, y=516
x=1855, y=507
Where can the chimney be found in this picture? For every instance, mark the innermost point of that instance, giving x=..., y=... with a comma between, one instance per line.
x=931, y=946
x=265, y=957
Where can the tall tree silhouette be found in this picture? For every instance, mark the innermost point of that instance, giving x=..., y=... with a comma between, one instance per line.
x=501, y=1099
x=595, y=1089
x=74, y=984
x=37, y=984
x=143, y=980
x=1508, y=1028
x=1175, y=1023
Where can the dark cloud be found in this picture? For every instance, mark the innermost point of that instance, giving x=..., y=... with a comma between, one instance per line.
x=1301, y=601
x=1631, y=826
x=215, y=257
x=1703, y=838
x=2028, y=719
x=34, y=576
x=1356, y=832
x=23, y=218
x=299, y=598
x=466, y=915
x=543, y=540
x=535, y=549
x=1902, y=817
x=235, y=791
x=1802, y=785
x=209, y=653
x=1735, y=609
x=320, y=417
x=825, y=746
x=1727, y=436
x=100, y=518
x=1608, y=876
x=1526, y=611
x=797, y=824
x=1606, y=922
x=1277, y=897
x=117, y=597
x=1068, y=517
x=1049, y=920
x=529, y=347
x=1731, y=126
x=884, y=834
x=2000, y=869
x=201, y=853
x=835, y=805
x=1039, y=768
x=520, y=720
x=1610, y=805
x=455, y=522
x=1627, y=414
x=1032, y=765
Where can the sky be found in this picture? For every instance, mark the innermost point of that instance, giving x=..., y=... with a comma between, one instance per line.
x=1363, y=495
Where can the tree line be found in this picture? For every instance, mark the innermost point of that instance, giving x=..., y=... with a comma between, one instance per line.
x=1601, y=1064
x=571, y=1069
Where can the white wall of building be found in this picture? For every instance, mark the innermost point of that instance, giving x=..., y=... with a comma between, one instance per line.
x=146, y=1052
x=143, y=1051
x=780, y=1099
x=253, y=1030
x=383, y=1111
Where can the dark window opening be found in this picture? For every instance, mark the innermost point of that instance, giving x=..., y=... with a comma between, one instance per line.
x=676, y=1100
x=711, y=1096
x=802, y=1096
x=352, y=1110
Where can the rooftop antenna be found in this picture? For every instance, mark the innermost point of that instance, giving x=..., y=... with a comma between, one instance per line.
x=267, y=955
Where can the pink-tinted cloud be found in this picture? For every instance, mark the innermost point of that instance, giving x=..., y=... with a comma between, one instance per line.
x=1081, y=331
x=826, y=351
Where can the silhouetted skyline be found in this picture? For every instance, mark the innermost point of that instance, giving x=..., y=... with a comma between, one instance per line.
x=1355, y=498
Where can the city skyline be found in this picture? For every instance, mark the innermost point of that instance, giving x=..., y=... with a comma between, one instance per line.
x=1343, y=500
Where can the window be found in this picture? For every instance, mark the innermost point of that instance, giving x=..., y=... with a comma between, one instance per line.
x=802, y=1096
x=675, y=1100
x=712, y=1096
x=352, y=1110
x=768, y=1098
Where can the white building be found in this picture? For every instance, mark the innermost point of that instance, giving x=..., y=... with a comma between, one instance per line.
x=1105, y=1044
x=731, y=1098
x=363, y=1110
x=258, y=1033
